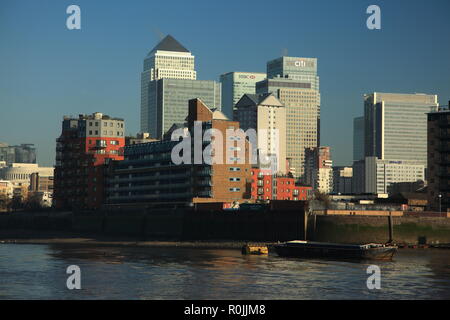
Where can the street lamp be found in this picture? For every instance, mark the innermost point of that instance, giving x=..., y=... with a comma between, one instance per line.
x=440, y=197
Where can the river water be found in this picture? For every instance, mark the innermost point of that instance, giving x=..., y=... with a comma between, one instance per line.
x=39, y=272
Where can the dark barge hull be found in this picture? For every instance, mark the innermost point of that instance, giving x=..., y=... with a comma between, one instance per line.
x=308, y=249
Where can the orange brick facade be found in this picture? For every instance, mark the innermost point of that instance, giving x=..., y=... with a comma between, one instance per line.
x=270, y=187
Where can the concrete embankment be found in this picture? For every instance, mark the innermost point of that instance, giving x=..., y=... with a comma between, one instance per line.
x=235, y=227
x=360, y=229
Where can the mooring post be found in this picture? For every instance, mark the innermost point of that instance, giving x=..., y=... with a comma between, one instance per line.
x=391, y=228
x=314, y=226
x=305, y=223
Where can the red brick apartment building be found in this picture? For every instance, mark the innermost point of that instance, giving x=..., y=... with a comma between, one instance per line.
x=276, y=187
x=86, y=143
x=148, y=176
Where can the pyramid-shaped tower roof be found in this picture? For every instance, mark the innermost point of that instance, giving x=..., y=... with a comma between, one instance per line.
x=169, y=43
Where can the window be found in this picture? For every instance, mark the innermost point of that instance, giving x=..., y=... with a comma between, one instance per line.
x=235, y=179
x=101, y=143
x=235, y=169
x=235, y=189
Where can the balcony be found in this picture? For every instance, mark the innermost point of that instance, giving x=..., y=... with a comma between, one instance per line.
x=205, y=183
x=205, y=194
x=205, y=172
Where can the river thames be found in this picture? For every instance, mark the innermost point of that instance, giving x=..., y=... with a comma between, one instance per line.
x=39, y=272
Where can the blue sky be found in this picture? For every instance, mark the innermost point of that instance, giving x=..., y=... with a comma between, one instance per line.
x=47, y=71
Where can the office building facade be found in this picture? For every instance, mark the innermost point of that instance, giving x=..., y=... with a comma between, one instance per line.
x=235, y=85
x=172, y=97
x=170, y=60
x=376, y=176
x=396, y=125
x=168, y=82
x=295, y=83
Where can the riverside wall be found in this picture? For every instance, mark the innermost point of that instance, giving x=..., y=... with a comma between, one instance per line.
x=364, y=229
x=267, y=225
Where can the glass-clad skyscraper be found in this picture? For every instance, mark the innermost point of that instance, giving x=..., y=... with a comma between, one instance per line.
x=168, y=82
x=235, y=85
x=294, y=81
x=172, y=100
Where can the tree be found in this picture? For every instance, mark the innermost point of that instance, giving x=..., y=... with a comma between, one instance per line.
x=17, y=203
x=322, y=197
x=5, y=202
x=33, y=202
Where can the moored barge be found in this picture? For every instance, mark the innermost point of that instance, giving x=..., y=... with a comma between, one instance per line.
x=311, y=249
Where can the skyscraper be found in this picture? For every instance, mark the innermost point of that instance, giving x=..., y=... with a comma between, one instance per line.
x=396, y=125
x=172, y=96
x=168, y=82
x=169, y=59
x=358, y=138
x=235, y=85
x=295, y=83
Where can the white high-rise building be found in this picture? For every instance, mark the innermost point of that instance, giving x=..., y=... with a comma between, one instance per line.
x=376, y=176
x=168, y=60
x=267, y=115
x=395, y=125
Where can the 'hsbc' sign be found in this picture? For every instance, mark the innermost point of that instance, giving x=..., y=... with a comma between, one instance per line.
x=244, y=76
